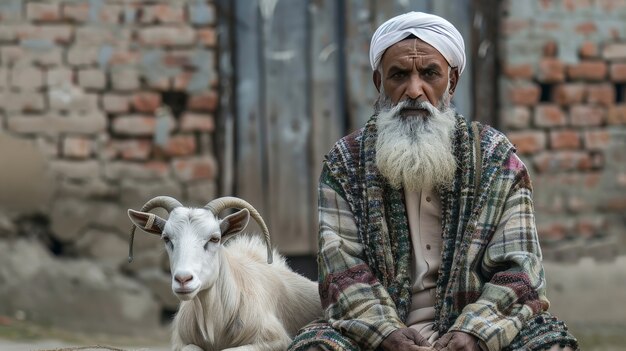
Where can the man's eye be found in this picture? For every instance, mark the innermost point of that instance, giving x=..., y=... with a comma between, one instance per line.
x=398, y=75
x=431, y=73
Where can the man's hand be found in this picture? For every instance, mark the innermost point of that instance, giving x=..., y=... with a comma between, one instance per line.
x=405, y=339
x=457, y=341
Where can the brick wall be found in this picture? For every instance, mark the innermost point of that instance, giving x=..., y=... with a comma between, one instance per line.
x=81, y=80
x=563, y=97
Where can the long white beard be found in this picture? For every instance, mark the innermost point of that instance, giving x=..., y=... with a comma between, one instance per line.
x=415, y=152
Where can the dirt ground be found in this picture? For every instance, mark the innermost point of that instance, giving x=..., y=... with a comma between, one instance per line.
x=588, y=295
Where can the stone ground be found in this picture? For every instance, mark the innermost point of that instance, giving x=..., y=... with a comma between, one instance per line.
x=589, y=295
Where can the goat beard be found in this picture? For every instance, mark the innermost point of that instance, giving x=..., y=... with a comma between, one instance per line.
x=415, y=152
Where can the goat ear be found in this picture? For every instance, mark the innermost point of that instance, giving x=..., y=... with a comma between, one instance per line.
x=148, y=222
x=234, y=223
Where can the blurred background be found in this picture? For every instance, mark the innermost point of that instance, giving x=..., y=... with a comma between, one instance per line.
x=257, y=92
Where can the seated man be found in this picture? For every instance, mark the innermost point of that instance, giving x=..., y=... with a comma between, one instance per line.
x=427, y=235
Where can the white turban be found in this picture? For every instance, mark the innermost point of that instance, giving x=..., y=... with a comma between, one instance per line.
x=434, y=30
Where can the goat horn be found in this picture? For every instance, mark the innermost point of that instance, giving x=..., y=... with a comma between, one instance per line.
x=216, y=206
x=166, y=202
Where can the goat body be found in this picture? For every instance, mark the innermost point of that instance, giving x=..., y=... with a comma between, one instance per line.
x=251, y=303
x=231, y=296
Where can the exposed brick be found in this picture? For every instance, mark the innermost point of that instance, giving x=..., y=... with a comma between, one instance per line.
x=75, y=169
x=587, y=115
x=577, y=204
x=182, y=80
x=550, y=49
x=207, y=37
x=616, y=203
x=82, y=55
x=162, y=13
x=621, y=179
x=24, y=101
x=178, y=58
x=192, y=122
x=59, y=76
x=589, y=49
x=551, y=70
x=82, y=12
x=132, y=149
x=167, y=36
x=589, y=227
x=614, y=52
x=549, y=116
x=124, y=57
x=101, y=35
x=11, y=11
x=618, y=72
x=27, y=77
x=116, y=103
x=201, y=13
x=198, y=168
x=43, y=12
x=528, y=142
x=617, y=114
x=569, y=93
x=71, y=98
x=586, y=28
x=13, y=55
x=134, y=125
x=559, y=161
x=159, y=83
x=552, y=231
x=77, y=12
x=552, y=26
x=146, y=102
x=519, y=71
x=599, y=139
x=588, y=70
x=53, y=125
x=92, y=79
x=204, y=101
x=110, y=13
x=564, y=139
x=603, y=94
x=60, y=34
x=132, y=170
x=125, y=79
x=77, y=147
x=524, y=94
x=180, y=145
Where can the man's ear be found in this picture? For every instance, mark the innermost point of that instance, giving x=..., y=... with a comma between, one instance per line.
x=454, y=80
x=376, y=78
x=148, y=222
x=234, y=223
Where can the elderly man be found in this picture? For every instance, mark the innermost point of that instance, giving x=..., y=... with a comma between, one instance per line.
x=427, y=235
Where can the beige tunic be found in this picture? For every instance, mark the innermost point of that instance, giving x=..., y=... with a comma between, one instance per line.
x=424, y=215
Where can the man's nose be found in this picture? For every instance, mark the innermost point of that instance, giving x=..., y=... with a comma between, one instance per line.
x=415, y=88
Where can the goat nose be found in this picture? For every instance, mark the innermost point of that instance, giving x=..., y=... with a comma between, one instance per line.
x=183, y=278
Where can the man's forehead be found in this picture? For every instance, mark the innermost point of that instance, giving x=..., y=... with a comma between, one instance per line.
x=412, y=48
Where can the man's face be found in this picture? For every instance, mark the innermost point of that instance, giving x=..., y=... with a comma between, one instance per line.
x=414, y=70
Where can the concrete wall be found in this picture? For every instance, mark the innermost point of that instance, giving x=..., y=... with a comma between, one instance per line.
x=563, y=99
x=80, y=81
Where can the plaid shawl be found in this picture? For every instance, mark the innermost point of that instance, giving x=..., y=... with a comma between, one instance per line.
x=491, y=281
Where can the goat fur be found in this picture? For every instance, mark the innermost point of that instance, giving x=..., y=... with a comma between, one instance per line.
x=252, y=306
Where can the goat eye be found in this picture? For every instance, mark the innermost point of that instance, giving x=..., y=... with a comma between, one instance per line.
x=168, y=242
x=215, y=240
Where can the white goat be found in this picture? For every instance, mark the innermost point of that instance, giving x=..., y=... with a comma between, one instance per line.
x=230, y=297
